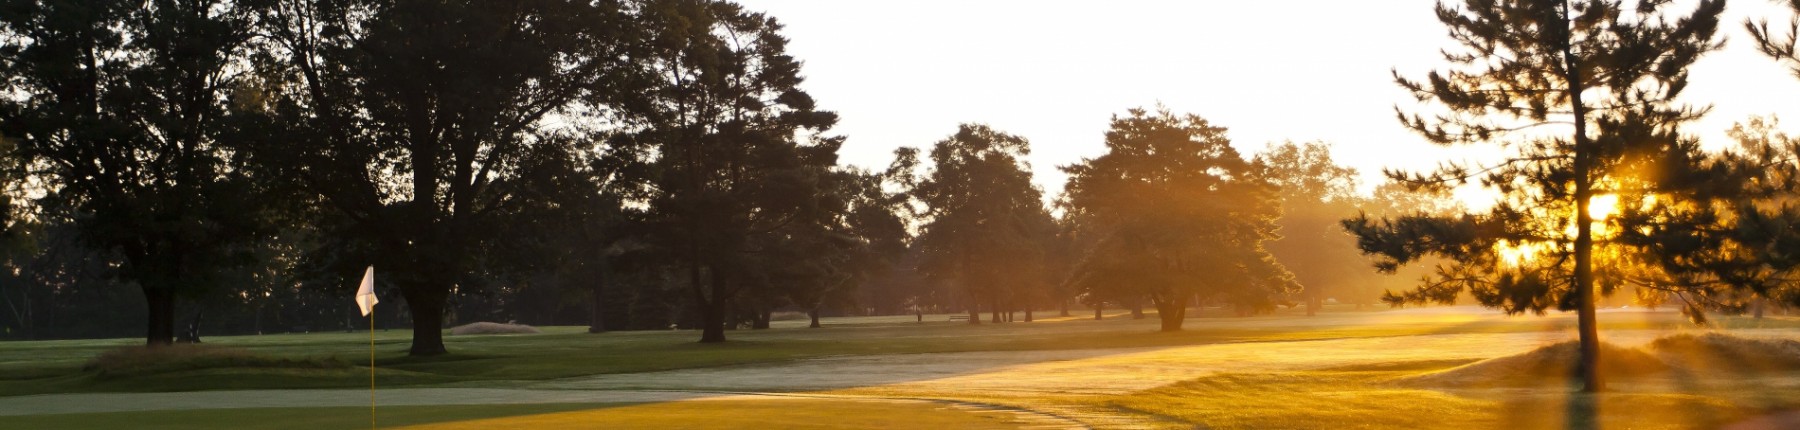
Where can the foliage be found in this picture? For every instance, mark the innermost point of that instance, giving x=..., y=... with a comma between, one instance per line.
x=984, y=222
x=412, y=120
x=740, y=149
x=1609, y=72
x=1176, y=213
x=122, y=108
x=1315, y=194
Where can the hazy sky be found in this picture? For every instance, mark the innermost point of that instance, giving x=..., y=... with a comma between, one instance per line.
x=906, y=73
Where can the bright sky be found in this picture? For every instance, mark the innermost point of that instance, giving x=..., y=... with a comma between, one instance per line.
x=906, y=73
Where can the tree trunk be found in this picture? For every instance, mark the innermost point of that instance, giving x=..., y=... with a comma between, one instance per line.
x=762, y=319
x=1756, y=308
x=161, y=324
x=1098, y=308
x=712, y=311
x=1171, y=312
x=597, y=306
x=191, y=334
x=814, y=315
x=712, y=322
x=1027, y=314
x=1137, y=308
x=427, y=305
x=1588, y=368
x=974, y=315
x=995, y=310
x=1065, y=307
x=1313, y=303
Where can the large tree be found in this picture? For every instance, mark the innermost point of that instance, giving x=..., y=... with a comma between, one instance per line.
x=1316, y=193
x=1176, y=214
x=1581, y=96
x=984, y=220
x=122, y=107
x=740, y=148
x=411, y=120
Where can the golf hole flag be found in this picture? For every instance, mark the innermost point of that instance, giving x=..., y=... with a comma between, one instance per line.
x=365, y=295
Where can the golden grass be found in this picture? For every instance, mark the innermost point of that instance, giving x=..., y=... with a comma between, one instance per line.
x=763, y=413
x=1548, y=365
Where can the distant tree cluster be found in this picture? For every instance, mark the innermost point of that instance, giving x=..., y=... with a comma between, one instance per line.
x=656, y=164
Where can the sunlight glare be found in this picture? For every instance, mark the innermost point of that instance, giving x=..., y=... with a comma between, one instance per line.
x=1602, y=206
x=1518, y=254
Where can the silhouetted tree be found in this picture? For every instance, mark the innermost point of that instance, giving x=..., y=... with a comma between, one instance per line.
x=1779, y=46
x=1316, y=193
x=1607, y=76
x=740, y=148
x=1176, y=213
x=1721, y=236
x=410, y=119
x=122, y=107
x=984, y=220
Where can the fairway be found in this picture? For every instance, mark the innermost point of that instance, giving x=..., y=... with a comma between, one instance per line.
x=1281, y=371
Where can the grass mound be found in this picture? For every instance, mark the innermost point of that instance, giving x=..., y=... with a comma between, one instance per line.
x=492, y=328
x=1549, y=364
x=139, y=360
x=1721, y=352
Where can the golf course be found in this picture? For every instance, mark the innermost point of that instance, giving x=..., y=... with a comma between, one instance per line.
x=1449, y=367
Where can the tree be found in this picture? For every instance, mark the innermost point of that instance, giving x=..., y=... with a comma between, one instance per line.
x=1778, y=46
x=1316, y=194
x=122, y=107
x=411, y=120
x=1607, y=75
x=984, y=218
x=1176, y=213
x=740, y=148
x=1724, y=237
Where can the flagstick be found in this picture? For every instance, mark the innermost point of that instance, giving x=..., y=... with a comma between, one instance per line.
x=371, y=370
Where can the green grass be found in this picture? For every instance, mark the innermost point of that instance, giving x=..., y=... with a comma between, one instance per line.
x=285, y=418
x=705, y=414
x=38, y=367
x=1314, y=389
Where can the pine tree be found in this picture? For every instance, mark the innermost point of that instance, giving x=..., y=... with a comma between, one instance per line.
x=1581, y=96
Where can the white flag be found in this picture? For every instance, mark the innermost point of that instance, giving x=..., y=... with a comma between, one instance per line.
x=365, y=295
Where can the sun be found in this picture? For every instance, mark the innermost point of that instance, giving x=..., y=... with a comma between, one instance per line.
x=1602, y=206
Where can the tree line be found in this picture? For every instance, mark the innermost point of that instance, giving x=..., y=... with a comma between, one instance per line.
x=640, y=164
x=627, y=164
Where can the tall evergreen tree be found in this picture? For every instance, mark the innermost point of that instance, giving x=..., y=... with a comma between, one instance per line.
x=1581, y=95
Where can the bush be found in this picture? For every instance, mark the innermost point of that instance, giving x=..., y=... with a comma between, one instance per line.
x=492, y=328
x=139, y=360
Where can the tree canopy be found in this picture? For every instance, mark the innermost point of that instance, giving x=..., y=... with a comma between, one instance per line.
x=1176, y=213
